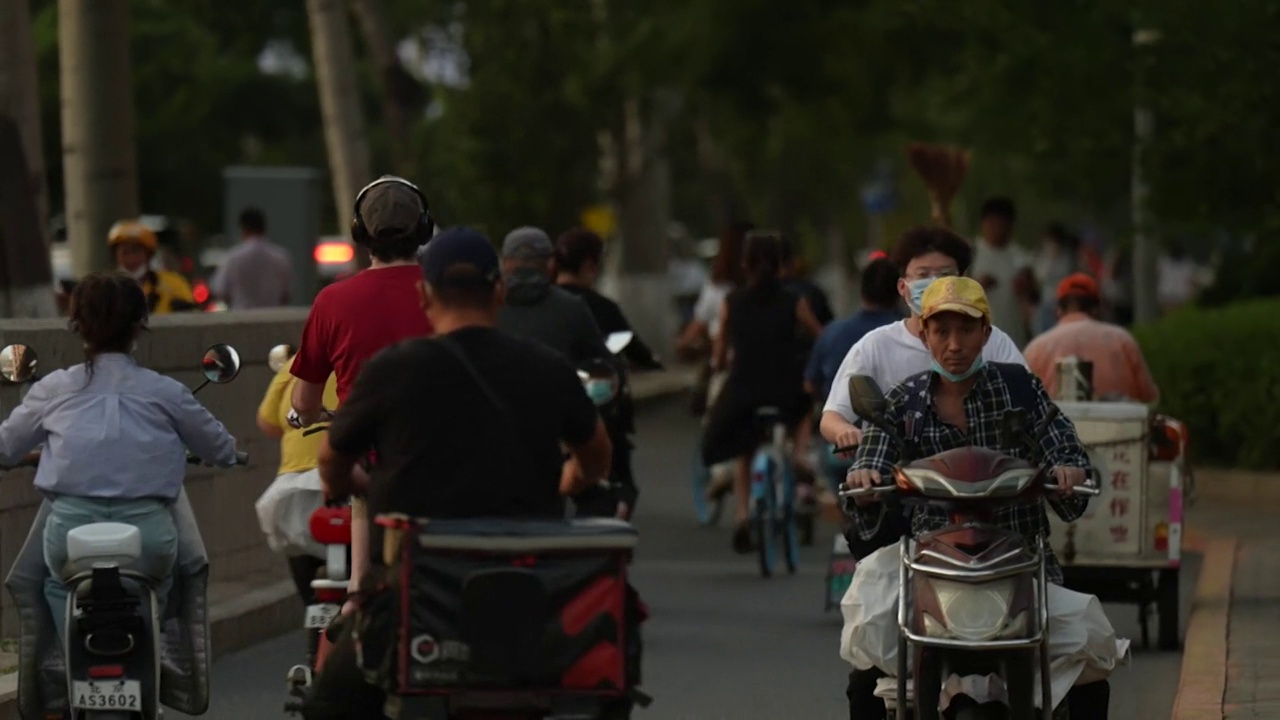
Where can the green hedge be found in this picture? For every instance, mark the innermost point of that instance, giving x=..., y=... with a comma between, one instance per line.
x=1219, y=372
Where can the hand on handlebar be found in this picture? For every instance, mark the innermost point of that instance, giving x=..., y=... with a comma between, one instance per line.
x=864, y=480
x=1070, y=481
x=847, y=442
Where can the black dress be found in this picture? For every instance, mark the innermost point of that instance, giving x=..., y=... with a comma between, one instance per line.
x=761, y=335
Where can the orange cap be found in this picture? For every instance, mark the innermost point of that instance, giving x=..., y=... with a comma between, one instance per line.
x=1078, y=284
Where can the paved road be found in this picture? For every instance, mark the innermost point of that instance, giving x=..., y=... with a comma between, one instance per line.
x=722, y=642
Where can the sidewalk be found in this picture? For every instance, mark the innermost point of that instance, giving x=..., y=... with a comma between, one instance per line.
x=255, y=608
x=1231, y=662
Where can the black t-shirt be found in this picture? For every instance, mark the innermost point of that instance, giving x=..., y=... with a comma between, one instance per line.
x=443, y=448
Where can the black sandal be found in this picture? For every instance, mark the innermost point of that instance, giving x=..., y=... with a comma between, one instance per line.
x=742, y=543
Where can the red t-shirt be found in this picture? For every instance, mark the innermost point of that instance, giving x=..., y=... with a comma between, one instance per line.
x=352, y=319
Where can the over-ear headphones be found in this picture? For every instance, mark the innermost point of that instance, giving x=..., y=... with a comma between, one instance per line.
x=426, y=224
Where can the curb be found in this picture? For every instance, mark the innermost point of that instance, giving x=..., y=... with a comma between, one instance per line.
x=1202, y=685
x=233, y=625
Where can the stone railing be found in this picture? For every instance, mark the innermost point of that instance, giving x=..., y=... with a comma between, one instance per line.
x=223, y=499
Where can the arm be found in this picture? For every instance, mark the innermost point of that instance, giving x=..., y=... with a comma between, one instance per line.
x=590, y=450
x=24, y=429
x=308, y=401
x=200, y=431
x=876, y=457
x=806, y=318
x=813, y=379
x=838, y=419
x=720, y=346
x=1062, y=449
x=354, y=429
x=269, y=408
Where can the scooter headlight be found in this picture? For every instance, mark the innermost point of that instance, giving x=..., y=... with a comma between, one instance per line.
x=974, y=611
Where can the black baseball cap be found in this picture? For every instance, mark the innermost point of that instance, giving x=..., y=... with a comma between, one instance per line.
x=455, y=247
x=391, y=206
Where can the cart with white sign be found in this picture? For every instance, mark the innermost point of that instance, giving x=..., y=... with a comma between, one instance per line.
x=1128, y=545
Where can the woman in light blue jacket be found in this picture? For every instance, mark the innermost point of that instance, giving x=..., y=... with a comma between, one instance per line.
x=115, y=436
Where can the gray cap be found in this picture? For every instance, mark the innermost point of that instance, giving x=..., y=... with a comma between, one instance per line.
x=527, y=243
x=390, y=208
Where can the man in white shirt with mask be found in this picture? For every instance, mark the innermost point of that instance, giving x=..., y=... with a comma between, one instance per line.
x=892, y=353
x=1004, y=269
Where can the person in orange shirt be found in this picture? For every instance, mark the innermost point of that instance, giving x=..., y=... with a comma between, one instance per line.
x=1119, y=370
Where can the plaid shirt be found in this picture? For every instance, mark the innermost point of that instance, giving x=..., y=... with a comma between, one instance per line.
x=927, y=434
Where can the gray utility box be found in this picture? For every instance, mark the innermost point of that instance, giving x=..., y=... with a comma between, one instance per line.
x=291, y=199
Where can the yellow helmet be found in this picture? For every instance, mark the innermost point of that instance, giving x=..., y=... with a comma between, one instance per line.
x=131, y=231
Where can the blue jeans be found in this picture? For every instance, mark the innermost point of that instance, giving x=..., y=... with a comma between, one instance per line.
x=152, y=518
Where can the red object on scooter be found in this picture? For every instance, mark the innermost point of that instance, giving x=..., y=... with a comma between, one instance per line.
x=332, y=526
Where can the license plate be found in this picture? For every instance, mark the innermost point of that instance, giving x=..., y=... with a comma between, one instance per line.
x=107, y=695
x=320, y=616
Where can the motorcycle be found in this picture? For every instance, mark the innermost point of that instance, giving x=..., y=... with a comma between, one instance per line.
x=972, y=596
x=604, y=385
x=330, y=526
x=112, y=645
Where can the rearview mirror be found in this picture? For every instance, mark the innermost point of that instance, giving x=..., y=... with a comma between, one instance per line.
x=279, y=356
x=17, y=364
x=618, y=341
x=221, y=363
x=866, y=398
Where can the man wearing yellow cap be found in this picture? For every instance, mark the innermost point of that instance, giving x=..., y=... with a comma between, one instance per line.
x=959, y=402
x=132, y=247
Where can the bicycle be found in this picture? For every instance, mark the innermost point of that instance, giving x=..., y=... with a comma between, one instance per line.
x=773, y=495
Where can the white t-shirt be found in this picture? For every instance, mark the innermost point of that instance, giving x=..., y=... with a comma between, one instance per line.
x=707, y=309
x=891, y=354
x=1003, y=264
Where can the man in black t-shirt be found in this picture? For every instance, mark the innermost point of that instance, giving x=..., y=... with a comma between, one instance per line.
x=467, y=424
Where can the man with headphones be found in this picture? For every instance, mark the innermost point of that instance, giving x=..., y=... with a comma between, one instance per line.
x=351, y=320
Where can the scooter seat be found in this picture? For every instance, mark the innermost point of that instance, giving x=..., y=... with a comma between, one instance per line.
x=99, y=543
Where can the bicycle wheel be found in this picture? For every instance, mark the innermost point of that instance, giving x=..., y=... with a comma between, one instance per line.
x=767, y=538
x=790, y=536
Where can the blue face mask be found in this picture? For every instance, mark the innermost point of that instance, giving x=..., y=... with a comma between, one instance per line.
x=600, y=391
x=977, y=365
x=917, y=288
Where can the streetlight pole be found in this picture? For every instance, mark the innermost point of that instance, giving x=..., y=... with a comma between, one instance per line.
x=1145, y=307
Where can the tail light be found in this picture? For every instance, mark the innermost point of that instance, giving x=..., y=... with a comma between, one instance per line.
x=200, y=291
x=334, y=253
x=331, y=596
x=1168, y=439
x=106, y=672
x=1161, y=539
x=331, y=526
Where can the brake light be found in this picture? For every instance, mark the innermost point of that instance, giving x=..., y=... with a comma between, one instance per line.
x=1162, y=537
x=106, y=672
x=200, y=292
x=334, y=253
x=330, y=596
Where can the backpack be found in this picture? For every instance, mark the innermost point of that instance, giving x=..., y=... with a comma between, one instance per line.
x=897, y=518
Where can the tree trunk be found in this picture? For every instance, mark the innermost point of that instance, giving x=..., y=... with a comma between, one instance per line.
x=344, y=135
x=400, y=92
x=24, y=209
x=26, y=281
x=640, y=189
x=99, y=161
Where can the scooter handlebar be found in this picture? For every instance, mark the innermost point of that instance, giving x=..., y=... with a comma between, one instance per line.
x=1089, y=490
x=863, y=492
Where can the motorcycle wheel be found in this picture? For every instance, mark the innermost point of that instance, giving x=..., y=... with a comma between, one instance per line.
x=766, y=537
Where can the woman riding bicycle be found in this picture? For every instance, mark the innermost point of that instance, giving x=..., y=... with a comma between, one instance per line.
x=115, y=436
x=759, y=324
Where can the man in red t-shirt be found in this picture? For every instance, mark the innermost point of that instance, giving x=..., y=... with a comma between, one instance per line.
x=351, y=320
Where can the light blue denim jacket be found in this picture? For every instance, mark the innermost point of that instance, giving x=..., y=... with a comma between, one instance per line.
x=121, y=433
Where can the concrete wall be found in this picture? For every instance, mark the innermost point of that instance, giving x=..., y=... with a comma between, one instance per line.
x=223, y=499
